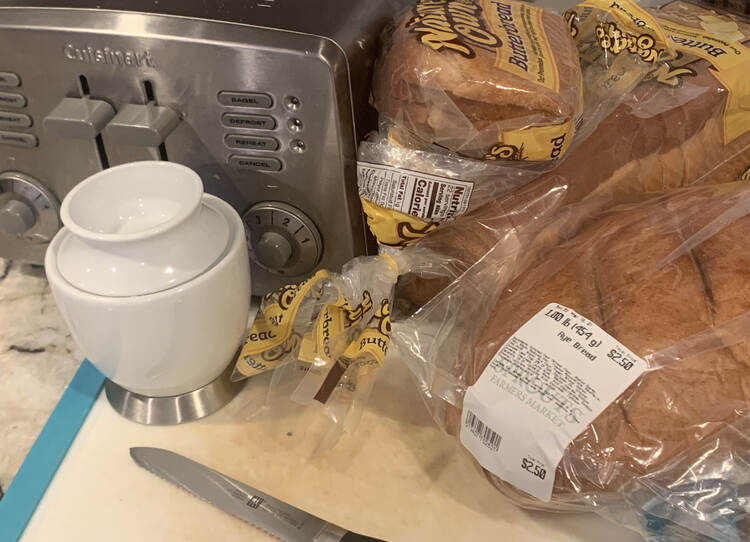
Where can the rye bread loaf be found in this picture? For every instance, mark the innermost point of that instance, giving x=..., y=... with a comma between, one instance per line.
x=660, y=277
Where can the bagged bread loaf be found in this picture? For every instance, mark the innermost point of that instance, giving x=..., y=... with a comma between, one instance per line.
x=636, y=357
x=505, y=80
x=685, y=125
x=486, y=78
x=412, y=175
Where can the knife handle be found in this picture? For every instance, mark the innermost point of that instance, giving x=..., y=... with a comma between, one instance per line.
x=333, y=533
x=354, y=537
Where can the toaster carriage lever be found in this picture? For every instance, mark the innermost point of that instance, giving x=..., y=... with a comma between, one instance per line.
x=142, y=125
x=78, y=118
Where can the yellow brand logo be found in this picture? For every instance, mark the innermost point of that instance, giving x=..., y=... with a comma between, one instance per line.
x=570, y=18
x=614, y=40
x=636, y=20
x=505, y=152
x=383, y=317
x=667, y=75
x=355, y=315
x=452, y=25
x=409, y=233
x=279, y=351
x=378, y=333
x=557, y=146
x=709, y=48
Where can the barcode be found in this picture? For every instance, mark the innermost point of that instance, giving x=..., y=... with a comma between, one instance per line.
x=488, y=437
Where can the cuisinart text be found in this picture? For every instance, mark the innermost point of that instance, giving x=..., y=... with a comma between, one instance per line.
x=107, y=55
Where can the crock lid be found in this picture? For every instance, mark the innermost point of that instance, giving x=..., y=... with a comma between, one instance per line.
x=138, y=229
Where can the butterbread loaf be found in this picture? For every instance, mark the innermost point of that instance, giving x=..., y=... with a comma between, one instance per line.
x=659, y=277
x=470, y=75
x=669, y=132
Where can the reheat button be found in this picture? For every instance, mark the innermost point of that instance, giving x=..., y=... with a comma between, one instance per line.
x=258, y=143
x=14, y=120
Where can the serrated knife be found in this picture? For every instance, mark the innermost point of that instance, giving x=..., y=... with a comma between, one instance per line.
x=255, y=507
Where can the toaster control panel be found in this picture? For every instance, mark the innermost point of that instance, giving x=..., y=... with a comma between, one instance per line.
x=263, y=115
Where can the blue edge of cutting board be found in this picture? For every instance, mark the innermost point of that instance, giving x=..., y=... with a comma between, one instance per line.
x=41, y=463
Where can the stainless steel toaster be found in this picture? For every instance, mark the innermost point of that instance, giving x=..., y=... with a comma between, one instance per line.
x=265, y=99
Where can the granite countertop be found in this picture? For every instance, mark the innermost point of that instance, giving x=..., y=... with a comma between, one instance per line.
x=418, y=478
x=37, y=360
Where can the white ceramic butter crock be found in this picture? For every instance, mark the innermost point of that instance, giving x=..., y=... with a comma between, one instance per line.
x=152, y=277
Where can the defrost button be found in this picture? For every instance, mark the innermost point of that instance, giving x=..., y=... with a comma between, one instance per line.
x=253, y=122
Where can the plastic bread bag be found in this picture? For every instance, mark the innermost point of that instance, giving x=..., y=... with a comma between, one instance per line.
x=687, y=120
x=667, y=133
x=324, y=339
x=532, y=212
x=406, y=193
x=618, y=44
x=602, y=372
x=409, y=187
x=708, y=491
x=501, y=80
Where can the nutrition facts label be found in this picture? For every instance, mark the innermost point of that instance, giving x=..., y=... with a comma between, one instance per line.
x=544, y=386
x=428, y=197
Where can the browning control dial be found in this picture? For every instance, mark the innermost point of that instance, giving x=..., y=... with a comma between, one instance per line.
x=282, y=239
x=27, y=209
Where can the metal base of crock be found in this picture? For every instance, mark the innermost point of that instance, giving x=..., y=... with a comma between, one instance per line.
x=174, y=409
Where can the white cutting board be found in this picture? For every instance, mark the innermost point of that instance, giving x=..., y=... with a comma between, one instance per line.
x=396, y=477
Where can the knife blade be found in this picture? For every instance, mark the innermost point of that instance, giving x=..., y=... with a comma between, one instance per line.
x=261, y=510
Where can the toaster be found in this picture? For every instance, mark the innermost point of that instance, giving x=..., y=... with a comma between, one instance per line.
x=265, y=99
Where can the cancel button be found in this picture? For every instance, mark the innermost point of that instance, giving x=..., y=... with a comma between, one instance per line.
x=255, y=163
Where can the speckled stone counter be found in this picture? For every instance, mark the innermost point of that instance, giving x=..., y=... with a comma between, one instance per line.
x=37, y=360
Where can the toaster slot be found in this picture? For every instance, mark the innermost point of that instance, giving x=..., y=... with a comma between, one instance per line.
x=148, y=89
x=101, y=152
